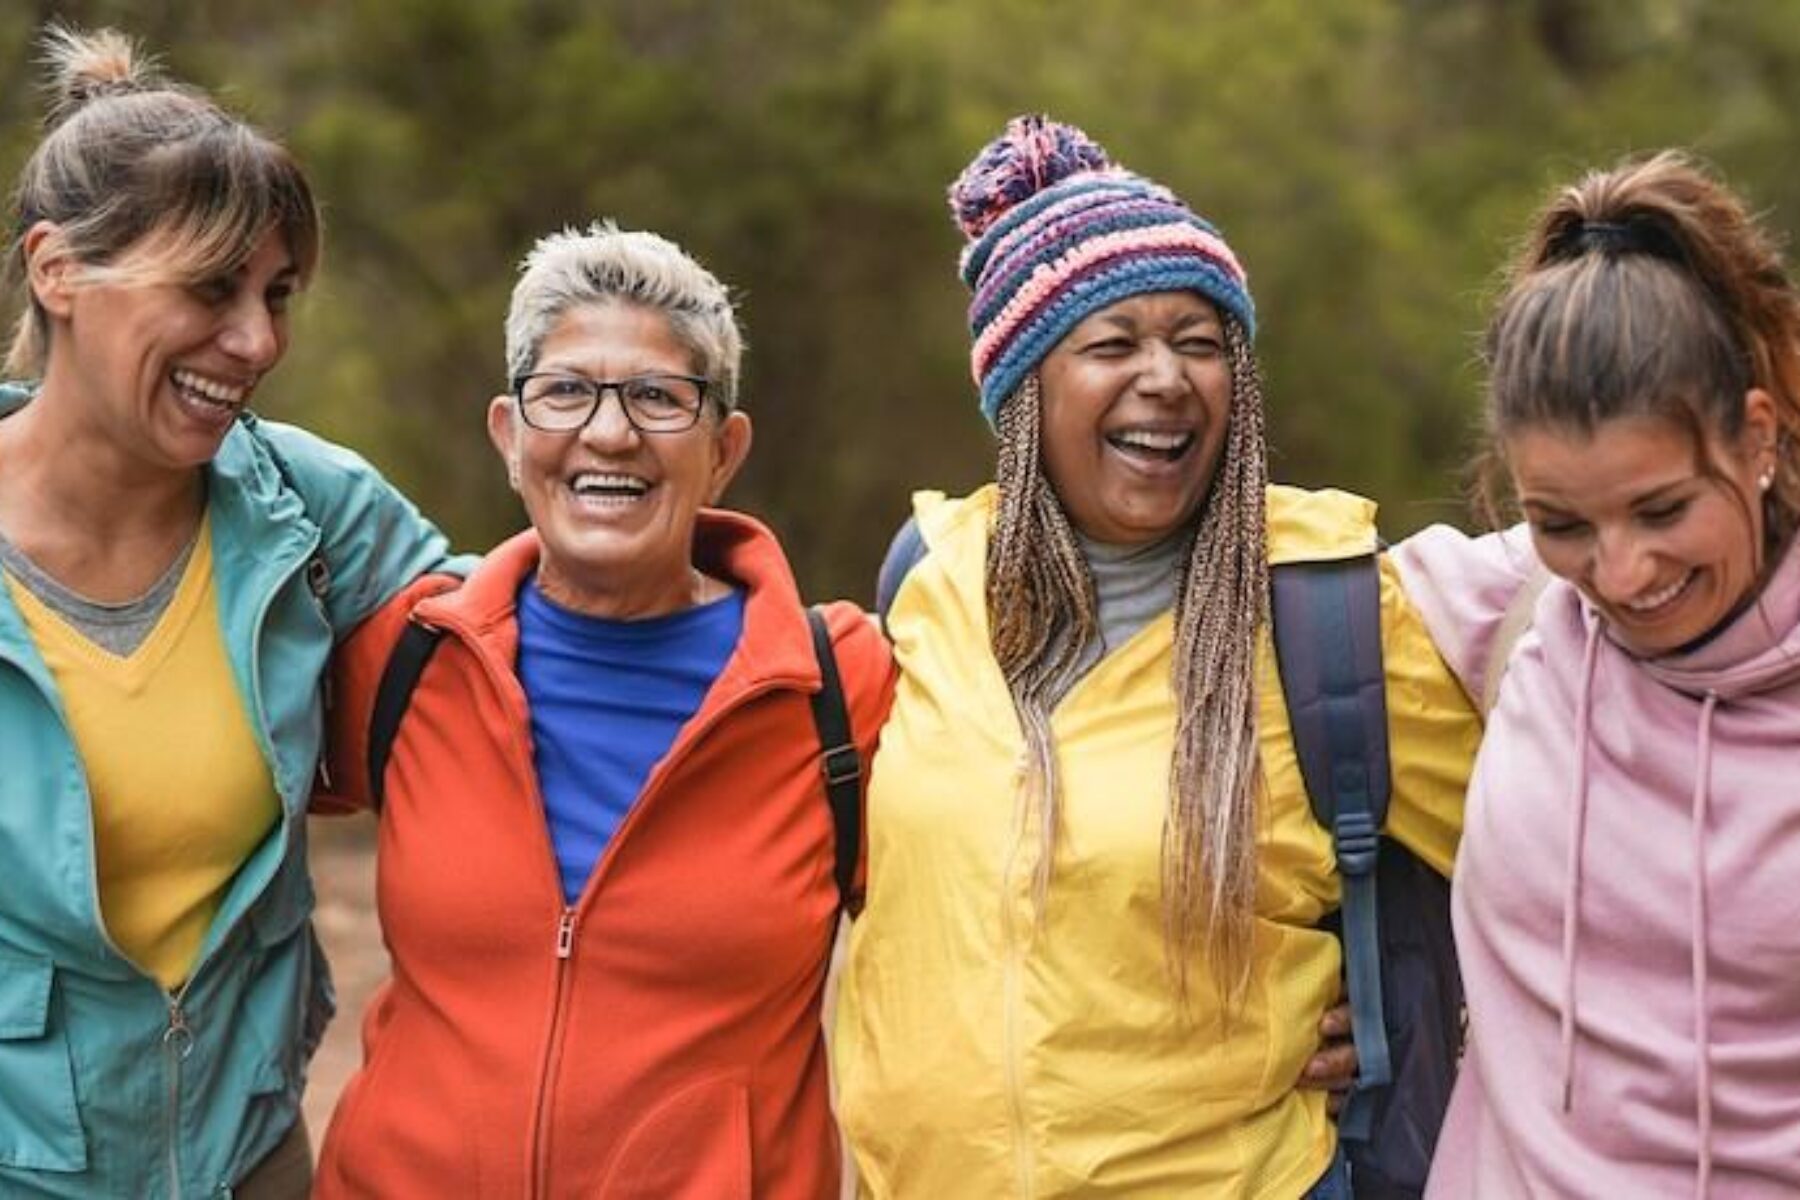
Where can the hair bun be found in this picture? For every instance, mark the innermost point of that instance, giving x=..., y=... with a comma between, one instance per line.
x=1032, y=153
x=88, y=66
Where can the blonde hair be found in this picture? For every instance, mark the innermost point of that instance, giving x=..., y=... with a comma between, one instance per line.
x=147, y=180
x=1042, y=613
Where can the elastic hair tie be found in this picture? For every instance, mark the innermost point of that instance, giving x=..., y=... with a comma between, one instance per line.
x=1616, y=238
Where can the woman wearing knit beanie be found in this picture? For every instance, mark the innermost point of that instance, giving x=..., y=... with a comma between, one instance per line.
x=1091, y=961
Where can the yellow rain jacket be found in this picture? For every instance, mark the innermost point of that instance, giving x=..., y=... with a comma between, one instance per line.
x=982, y=1054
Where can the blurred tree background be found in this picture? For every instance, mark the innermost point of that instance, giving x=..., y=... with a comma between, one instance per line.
x=1371, y=161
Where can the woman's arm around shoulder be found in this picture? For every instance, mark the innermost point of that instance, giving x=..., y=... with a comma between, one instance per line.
x=1467, y=590
x=357, y=665
x=374, y=539
x=1434, y=728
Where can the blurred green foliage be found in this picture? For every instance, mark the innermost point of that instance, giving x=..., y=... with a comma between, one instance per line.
x=1371, y=161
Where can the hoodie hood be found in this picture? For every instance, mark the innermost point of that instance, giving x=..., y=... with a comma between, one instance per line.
x=1758, y=651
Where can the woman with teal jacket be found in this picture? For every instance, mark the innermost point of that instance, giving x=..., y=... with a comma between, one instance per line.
x=172, y=578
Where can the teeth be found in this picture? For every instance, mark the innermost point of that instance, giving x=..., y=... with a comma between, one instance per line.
x=609, y=483
x=212, y=391
x=1148, y=439
x=1657, y=599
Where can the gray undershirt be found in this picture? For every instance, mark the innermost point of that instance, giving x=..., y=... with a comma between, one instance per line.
x=1133, y=585
x=118, y=629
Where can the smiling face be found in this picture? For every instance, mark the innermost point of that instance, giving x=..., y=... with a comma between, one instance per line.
x=614, y=507
x=1663, y=547
x=1136, y=400
x=160, y=370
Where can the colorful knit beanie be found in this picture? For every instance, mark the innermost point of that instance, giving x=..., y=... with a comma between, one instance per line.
x=1056, y=233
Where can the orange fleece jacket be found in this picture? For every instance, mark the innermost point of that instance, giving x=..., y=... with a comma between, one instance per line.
x=660, y=1037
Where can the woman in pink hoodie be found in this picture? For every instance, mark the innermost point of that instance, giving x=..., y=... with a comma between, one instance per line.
x=1628, y=887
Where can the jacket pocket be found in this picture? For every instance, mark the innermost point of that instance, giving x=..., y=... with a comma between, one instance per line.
x=694, y=1145
x=40, y=1128
x=286, y=1002
x=290, y=998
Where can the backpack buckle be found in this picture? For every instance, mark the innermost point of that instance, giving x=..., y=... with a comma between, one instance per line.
x=840, y=765
x=1357, y=840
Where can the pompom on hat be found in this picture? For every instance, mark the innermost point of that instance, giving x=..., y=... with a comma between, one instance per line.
x=1056, y=233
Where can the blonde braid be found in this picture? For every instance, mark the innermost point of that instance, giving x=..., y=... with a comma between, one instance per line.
x=1209, y=837
x=1043, y=613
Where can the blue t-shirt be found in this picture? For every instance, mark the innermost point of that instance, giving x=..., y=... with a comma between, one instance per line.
x=607, y=699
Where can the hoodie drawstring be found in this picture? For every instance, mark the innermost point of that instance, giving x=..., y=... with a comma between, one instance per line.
x=1572, y=873
x=1702, y=1019
x=1697, y=906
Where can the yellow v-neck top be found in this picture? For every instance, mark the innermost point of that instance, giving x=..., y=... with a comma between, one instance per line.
x=180, y=792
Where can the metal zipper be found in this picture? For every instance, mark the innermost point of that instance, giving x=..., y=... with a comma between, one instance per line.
x=540, y=1129
x=178, y=1043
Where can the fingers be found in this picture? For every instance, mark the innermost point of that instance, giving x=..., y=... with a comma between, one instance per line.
x=1333, y=1068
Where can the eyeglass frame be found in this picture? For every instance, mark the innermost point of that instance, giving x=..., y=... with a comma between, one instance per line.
x=615, y=386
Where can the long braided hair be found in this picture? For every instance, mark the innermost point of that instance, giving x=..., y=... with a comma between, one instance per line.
x=1043, y=613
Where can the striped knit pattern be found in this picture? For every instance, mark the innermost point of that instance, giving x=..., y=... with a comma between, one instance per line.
x=1075, y=246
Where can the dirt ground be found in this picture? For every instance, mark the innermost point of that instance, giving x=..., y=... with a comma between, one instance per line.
x=343, y=863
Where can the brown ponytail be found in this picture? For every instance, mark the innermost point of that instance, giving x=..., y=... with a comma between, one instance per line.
x=1649, y=290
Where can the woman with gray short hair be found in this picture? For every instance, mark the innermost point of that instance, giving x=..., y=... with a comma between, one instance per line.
x=606, y=857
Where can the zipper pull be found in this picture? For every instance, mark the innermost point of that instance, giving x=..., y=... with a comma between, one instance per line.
x=179, y=1036
x=565, y=934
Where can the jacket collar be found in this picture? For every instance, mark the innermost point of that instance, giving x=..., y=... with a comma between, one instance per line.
x=776, y=644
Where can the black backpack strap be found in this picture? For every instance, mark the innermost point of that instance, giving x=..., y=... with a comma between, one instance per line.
x=837, y=759
x=392, y=696
x=903, y=554
x=1327, y=626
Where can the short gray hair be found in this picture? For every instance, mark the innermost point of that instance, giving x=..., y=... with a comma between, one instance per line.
x=605, y=263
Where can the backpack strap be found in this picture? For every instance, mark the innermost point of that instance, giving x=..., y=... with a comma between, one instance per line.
x=837, y=758
x=1513, y=623
x=903, y=554
x=393, y=694
x=1327, y=629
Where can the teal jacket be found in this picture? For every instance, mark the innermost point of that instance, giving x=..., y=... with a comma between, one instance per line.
x=109, y=1086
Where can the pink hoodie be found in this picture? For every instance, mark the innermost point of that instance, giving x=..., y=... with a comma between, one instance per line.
x=1627, y=900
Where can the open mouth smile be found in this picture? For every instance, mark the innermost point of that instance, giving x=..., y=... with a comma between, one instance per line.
x=609, y=488
x=1157, y=445
x=1653, y=604
x=210, y=397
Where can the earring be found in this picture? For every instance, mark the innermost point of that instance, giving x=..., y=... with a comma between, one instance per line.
x=1766, y=480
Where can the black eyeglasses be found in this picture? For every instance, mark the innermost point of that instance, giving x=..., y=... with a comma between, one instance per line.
x=557, y=402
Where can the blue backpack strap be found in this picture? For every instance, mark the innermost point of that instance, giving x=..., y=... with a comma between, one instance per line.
x=903, y=554
x=1327, y=627
x=837, y=760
